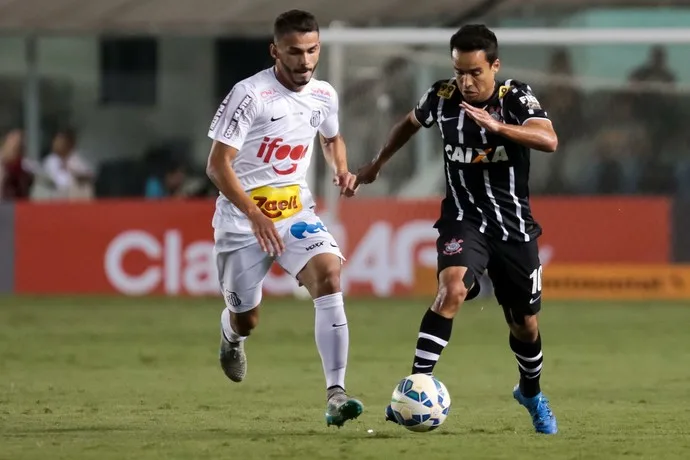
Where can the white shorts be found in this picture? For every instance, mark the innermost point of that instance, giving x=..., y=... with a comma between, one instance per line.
x=243, y=266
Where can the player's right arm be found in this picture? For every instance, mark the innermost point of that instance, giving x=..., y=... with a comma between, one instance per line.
x=229, y=129
x=219, y=170
x=400, y=134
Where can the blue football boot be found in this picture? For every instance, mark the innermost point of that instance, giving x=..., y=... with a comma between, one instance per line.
x=538, y=406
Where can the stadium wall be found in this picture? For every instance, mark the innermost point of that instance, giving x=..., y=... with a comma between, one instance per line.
x=592, y=248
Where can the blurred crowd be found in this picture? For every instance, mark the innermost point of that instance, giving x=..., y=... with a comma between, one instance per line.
x=624, y=140
x=65, y=173
x=629, y=140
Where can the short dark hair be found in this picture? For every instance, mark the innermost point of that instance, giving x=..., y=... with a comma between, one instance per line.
x=69, y=133
x=294, y=21
x=475, y=37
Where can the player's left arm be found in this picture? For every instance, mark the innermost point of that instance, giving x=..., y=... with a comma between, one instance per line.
x=533, y=128
x=536, y=134
x=335, y=151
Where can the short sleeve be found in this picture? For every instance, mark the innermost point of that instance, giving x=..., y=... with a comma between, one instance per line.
x=234, y=117
x=425, y=111
x=330, y=127
x=521, y=104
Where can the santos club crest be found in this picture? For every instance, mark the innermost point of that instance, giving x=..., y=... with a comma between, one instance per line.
x=315, y=120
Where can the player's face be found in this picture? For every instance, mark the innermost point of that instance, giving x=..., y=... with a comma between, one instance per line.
x=474, y=74
x=297, y=55
x=61, y=144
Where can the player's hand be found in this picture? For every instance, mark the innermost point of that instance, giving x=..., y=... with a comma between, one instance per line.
x=368, y=174
x=347, y=183
x=481, y=117
x=266, y=234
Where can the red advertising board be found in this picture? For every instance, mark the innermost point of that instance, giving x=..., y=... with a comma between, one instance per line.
x=137, y=248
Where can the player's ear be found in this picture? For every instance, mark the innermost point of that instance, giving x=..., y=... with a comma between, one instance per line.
x=496, y=66
x=273, y=50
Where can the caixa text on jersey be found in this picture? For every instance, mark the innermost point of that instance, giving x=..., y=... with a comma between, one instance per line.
x=475, y=155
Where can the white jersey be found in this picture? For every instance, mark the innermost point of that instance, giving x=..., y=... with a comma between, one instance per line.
x=273, y=130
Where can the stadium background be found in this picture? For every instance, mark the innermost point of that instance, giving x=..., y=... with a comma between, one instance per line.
x=140, y=82
x=109, y=305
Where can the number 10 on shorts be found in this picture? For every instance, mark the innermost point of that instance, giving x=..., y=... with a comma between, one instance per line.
x=536, y=280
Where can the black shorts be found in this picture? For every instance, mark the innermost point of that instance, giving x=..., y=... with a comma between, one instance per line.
x=513, y=267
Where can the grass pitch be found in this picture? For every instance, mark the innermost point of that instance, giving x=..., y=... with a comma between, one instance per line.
x=107, y=378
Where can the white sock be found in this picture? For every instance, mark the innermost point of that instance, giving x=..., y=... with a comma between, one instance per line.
x=231, y=335
x=332, y=337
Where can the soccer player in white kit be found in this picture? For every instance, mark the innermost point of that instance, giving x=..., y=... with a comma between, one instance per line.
x=263, y=135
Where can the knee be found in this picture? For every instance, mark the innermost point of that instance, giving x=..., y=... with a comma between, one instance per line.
x=526, y=329
x=243, y=323
x=449, y=299
x=329, y=281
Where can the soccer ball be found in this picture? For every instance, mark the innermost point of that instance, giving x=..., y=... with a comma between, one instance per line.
x=420, y=402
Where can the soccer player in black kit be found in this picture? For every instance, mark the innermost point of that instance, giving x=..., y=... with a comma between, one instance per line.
x=488, y=128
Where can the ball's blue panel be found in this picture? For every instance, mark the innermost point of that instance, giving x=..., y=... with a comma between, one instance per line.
x=408, y=385
x=412, y=395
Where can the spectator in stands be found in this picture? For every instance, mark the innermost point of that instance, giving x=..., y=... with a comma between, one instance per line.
x=674, y=155
x=622, y=148
x=655, y=70
x=169, y=184
x=563, y=98
x=69, y=174
x=16, y=172
x=656, y=101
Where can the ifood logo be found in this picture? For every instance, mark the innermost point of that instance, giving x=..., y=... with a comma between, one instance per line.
x=170, y=267
x=276, y=148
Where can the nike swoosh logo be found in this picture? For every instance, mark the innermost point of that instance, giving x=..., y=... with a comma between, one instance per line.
x=339, y=325
x=448, y=119
x=422, y=366
x=534, y=300
x=334, y=245
x=276, y=119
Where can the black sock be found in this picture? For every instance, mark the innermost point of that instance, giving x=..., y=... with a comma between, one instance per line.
x=530, y=359
x=434, y=333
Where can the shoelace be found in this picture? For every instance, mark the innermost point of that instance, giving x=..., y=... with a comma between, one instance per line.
x=542, y=412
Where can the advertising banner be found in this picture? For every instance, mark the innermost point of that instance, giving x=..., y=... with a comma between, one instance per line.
x=617, y=282
x=139, y=248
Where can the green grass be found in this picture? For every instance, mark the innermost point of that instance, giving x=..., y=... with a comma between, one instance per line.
x=138, y=379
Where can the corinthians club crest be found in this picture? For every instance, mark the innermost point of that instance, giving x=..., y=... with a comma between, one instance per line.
x=495, y=113
x=452, y=247
x=315, y=120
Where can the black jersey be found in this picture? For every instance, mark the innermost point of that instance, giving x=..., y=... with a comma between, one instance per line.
x=486, y=175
